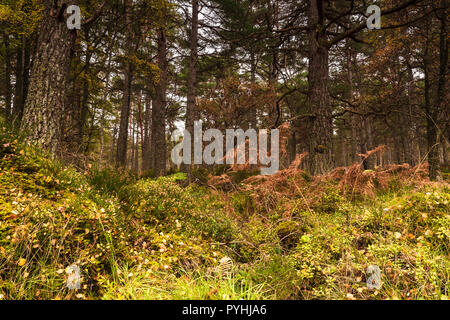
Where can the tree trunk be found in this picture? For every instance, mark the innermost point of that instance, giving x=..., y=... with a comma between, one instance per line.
x=354, y=123
x=158, y=144
x=433, y=160
x=411, y=125
x=192, y=80
x=431, y=114
x=136, y=146
x=252, y=112
x=26, y=70
x=8, y=89
x=121, y=155
x=44, y=107
x=146, y=146
x=440, y=106
x=319, y=140
x=84, y=101
x=18, y=95
x=103, y=114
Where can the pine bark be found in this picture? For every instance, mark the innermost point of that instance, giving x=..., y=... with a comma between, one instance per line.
x=18, y=94
x=44, y=107
x=122, y=142
x=440, y=103
x=192, y=79
x=320, y=137
x=146, y=145
x=8, y=89
x=158, y=144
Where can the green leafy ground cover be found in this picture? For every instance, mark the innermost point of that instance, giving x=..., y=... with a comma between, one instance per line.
x=155, y=239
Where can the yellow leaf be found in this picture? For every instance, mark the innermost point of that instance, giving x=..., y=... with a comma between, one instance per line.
x=21, y=262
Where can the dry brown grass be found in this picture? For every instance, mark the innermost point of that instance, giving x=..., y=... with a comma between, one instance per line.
x=266, y=191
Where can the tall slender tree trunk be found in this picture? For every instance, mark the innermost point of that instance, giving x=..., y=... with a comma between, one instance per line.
x=121, y=153
x=442, y=82
x=8, y=89
x=44, y=107
x=432, y=141
x=140, y=131
x=134, y=143
x=103, y=114
x=136, y=146
x=90, y=132
x=192, y=81
x=146, y=145
x=158, y=144
x=101, y=138
x=366, y=123
x=252, y=112
x=130, y=153
x=22, y=79
x=18, y=95
x=26, y=70
x=83, y=113
x=411, y=125
x=320, y=129
x=353, y=118
x=114, y=143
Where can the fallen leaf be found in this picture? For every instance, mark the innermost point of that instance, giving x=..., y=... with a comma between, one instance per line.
x=22, y=262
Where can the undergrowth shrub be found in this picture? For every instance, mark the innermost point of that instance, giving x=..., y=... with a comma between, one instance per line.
x=331, y=201
x=49, y=221
x=287, y=236
x=109, y=181
x=278, y=275
x=289, y=232
x=243, y=203
x=256, y=237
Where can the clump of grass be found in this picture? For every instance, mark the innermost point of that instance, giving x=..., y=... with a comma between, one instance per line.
x=143, y=285
x=110, y=181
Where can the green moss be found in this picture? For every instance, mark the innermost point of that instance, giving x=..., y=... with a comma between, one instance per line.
x=289, y=232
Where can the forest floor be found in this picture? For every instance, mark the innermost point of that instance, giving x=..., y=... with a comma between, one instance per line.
x=287, y=236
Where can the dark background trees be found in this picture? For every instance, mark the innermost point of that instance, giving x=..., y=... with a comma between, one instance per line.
x=112, y=91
